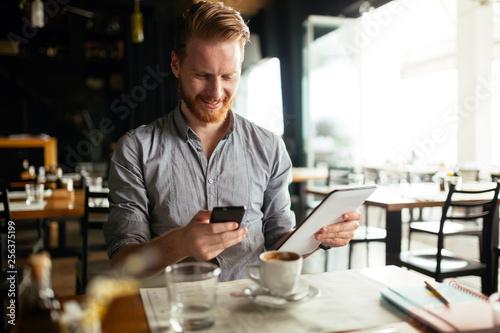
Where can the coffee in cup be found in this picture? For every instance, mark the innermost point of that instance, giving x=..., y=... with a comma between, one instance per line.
x=278, y=272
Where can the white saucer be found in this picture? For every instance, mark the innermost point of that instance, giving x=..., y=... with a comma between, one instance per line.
x=262, y=297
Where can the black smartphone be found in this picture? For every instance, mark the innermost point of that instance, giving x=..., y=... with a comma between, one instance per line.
x=228, y=214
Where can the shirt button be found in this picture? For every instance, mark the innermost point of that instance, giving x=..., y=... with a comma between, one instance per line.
x=200, y=149
x=210, y=181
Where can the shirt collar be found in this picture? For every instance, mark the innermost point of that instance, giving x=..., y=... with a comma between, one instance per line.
x=185, y=129
x=232, y=124
x=181, y=122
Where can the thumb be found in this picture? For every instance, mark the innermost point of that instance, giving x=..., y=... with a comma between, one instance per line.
x=203, y=216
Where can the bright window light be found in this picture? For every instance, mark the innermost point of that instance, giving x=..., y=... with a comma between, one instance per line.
x=400, y=66
x=259, y=95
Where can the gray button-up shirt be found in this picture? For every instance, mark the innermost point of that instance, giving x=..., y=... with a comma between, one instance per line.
x=160, y=178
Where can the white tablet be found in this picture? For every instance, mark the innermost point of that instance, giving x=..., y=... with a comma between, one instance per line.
x=329, y=211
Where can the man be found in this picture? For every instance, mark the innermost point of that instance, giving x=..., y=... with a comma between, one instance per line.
x=166, y=177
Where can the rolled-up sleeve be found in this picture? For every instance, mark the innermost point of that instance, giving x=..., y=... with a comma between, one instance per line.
x=128, y=200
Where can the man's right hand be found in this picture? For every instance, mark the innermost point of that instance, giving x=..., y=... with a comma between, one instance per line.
x=199, y=239
x=204, y=240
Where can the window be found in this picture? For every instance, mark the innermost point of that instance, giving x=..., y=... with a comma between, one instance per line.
x=259, y=95
x=383, y=89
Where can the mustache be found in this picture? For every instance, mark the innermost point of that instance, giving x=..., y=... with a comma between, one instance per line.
x=211, y=100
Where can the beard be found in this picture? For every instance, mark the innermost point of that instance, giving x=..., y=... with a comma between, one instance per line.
x=203, y=114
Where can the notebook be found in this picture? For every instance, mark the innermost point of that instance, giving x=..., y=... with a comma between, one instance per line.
x=467, y=311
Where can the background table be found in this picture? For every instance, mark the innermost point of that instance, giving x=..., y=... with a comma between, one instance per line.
x=61, y=205
x=301, y=176
x=396, y=197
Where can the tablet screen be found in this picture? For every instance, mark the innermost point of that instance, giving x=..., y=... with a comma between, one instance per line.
x=329, y=211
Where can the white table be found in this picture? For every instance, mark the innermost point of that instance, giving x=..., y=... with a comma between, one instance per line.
x=349, y=301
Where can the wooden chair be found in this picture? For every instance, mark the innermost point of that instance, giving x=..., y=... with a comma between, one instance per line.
x=6, y=271
x=440, y=263
x=95, y=215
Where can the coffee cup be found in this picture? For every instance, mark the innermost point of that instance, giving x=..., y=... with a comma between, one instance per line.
x=278, y=272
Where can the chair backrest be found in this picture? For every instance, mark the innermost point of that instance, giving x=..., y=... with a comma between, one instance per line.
x=338, y=176
x=387, y=176
x=371, y=175
x=4, y=220
x=469, y=175
x=95, y=202
x=479, y=205
x=5, y=270
x=421, y=177
x=4, y=199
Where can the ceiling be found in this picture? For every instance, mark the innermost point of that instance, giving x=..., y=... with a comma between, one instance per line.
x=168, y=9
x=249, y=8
x=245, y=7
x=162, y=8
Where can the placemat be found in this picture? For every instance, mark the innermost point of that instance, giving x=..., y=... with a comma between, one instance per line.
x=348, y=301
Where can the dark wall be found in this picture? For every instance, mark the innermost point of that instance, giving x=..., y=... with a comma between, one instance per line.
x=82, y=80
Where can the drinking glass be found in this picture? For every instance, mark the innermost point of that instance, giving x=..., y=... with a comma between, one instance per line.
x=192, y=298
x=94, y=183
x=456, y=180
x=34, y=193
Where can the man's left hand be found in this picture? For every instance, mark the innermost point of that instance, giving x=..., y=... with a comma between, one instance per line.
x=339, y=234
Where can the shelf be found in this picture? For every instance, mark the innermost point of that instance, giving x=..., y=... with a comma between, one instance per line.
x=49, y=145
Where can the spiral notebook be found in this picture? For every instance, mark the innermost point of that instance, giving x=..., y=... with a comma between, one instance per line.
x=467, y=310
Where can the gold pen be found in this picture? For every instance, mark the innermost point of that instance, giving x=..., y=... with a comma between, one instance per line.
x=437, y=292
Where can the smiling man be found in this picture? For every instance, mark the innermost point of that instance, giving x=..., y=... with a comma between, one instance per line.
x=165, y=177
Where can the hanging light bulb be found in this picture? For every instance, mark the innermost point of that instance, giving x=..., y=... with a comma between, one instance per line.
x=137, y=25
x=37, y=15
